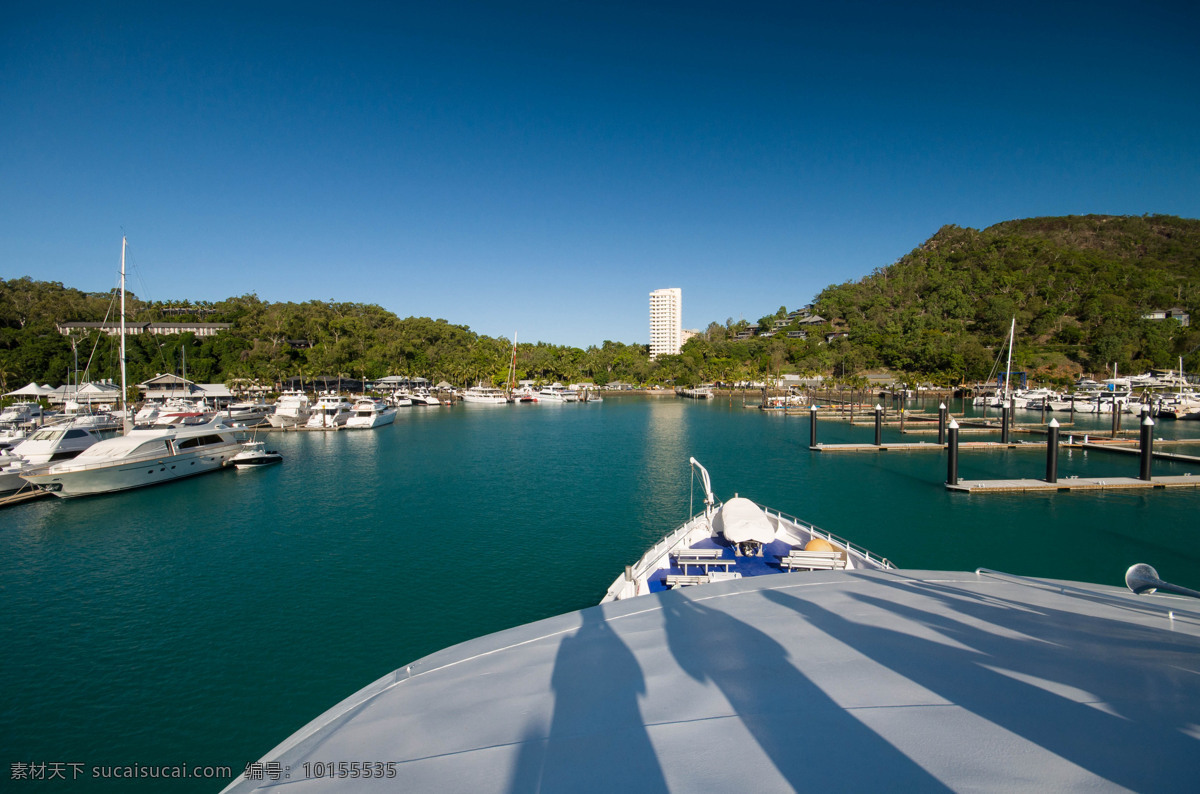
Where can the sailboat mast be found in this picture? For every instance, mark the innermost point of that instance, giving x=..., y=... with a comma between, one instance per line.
x=512, y=367
x=1008, y=368
x=126, y=424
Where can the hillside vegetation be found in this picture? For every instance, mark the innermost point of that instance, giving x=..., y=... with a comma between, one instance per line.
x=1077, y=286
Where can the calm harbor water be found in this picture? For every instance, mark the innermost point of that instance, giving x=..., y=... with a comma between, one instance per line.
x=204, y=621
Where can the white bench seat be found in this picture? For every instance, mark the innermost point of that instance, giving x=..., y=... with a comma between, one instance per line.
x=813, y=560
x=680, y=580
x=704, y=558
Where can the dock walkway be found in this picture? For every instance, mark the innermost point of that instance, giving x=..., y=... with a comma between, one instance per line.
x=1074, y=484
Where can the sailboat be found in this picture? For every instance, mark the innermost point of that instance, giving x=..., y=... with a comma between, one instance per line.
x=138, y=457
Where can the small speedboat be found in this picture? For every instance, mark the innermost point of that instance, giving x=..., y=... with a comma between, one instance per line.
x=255, y=453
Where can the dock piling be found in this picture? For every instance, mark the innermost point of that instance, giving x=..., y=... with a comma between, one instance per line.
x=1004, y=414
x=942, y=423
x=952, y=455
x=878, y=424
x=1052, y=451
x=812, y=425
x=1147, y=446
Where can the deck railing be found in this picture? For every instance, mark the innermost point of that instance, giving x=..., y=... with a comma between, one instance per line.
x=882, y=562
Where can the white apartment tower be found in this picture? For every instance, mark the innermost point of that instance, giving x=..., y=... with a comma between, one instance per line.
x=666, y=322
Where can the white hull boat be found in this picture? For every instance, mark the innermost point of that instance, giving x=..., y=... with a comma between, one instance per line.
x=254, y=455
x=291, y=410
x=735, y=540
x=329, y=412
x=367, y=414
x=845, y=679
x=145, y=456
x=485, y=395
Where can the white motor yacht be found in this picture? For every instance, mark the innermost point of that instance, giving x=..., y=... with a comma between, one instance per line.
x=23, y=413
x=144, y=456
x=45, y=445
x=249, y=412
x=292, y=409
x=423, y=397
x=330, y=412
x=368, y=413
x=485, y=395
x=556, y=393
x=254, y=454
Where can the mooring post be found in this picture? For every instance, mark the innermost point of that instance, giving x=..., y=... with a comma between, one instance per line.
x=1052, y=451
x=952, y=455
x=878, y=424
x=1003, y=424
x=812, y=425
x=1147, y=446
x=1116, y=423
x=942, y=423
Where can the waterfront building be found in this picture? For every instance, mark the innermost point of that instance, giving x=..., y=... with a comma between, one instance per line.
x=666, y=322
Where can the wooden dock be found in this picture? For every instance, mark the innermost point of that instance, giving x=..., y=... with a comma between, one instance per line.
x=924, y=446
x=22, y=496
x=1074, y=484
x=1129, y=449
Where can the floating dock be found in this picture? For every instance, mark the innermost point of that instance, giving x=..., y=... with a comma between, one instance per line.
x=22, y=496
x=1074, y=484
x=923, y=446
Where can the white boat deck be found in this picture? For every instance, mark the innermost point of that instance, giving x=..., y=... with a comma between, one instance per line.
x=862, y=680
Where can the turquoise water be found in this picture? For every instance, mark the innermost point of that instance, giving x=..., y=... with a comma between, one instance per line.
x=204, y=621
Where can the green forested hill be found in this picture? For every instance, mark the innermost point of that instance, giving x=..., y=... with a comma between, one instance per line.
x=1077, y=286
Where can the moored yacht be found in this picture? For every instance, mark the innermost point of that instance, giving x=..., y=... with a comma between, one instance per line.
x=254, y=454
x=42, y=446
x=291, y=410
x=330, y=412
x=21, y=414
x=485, y=395
x=423, y=397
x=556, y=393
x=249, y=412
x=144, y=456
x=368, y=413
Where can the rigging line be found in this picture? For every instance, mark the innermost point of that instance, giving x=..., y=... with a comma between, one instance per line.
x=87, y=367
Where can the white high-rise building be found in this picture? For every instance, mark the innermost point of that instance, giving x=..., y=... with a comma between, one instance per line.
x=666, y=322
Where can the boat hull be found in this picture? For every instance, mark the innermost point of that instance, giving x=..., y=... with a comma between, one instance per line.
x=109, y=478
x=374, y=420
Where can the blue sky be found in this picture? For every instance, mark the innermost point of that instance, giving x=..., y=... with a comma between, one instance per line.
x=542, y=166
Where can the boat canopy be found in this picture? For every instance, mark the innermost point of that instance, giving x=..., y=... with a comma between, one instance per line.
x=740, y=520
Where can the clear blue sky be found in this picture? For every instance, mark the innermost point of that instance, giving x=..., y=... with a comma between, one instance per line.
x=542, y=166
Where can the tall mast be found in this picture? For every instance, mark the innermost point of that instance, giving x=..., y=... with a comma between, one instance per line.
x=126, y=424
x=512, y=367
x=1008, y=369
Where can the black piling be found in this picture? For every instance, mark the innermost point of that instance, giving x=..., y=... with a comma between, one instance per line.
x=1147, y=446
x=878, y=425
x=812, y=425
x=1004, y=424
x=1052, y=451
x=952, y=455
x=1116, y=423
x=942, y=410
